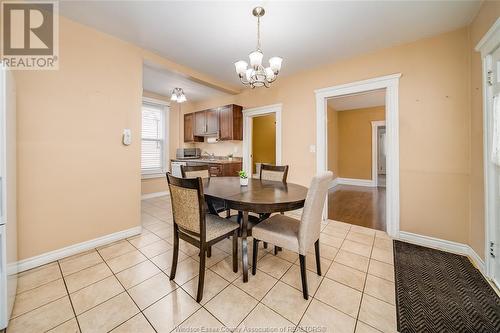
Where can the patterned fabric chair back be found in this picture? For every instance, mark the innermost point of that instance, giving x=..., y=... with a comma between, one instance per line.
x=194, y=171
x=277, y=173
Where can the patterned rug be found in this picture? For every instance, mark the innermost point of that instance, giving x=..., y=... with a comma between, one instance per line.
x=438, y=291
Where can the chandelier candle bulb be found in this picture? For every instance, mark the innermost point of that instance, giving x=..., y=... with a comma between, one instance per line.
x=256, y=75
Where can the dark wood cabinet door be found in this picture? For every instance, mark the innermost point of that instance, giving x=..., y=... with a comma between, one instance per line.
x=226, y=123
x=188, y=128
x=200, y=122
x=212, y=121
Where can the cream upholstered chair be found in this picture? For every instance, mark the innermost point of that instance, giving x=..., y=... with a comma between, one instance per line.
x=193, y=225
x=277, y=173
x=294, y=235
x=193, y=171
x=274, y=172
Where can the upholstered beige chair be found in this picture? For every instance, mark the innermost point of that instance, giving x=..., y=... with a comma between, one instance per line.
x=193, y=225
x=193, y=171
x=277, y=173
x=294, y=235
x=274, y=172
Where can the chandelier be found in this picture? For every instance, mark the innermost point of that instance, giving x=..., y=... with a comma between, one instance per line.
x=258, y=75
x=178, y=95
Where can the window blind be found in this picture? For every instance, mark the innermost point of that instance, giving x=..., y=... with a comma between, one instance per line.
x=153, y=133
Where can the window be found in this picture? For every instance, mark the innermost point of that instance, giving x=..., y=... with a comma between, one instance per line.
x=153, y=157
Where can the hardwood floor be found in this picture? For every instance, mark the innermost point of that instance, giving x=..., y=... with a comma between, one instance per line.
x=359, y=205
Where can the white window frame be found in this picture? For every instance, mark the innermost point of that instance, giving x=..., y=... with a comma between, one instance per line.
x=156, y=173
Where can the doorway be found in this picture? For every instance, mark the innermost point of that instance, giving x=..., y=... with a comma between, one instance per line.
x=489, y=47
x=262, y=117
x=391, y=85
x=355, y=127
x=263, y=142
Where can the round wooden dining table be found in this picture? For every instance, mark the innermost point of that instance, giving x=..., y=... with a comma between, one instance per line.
x=259, y=196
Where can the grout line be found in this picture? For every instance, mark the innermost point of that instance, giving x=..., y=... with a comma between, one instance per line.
x=126, y=291
x=69, y=297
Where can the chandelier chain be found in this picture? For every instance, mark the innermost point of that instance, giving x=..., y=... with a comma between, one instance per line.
x=258, y=33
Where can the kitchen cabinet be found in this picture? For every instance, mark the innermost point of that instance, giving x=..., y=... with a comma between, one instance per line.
x=189, y=129
x=218, y=168
x=225, y=122
x=231, y=122
x=206, y=122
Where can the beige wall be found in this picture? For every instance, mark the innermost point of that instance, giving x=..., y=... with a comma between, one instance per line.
x=355, y=141
x=76, y=181
x=264, y=139
x=490, y=11
x=434, y=125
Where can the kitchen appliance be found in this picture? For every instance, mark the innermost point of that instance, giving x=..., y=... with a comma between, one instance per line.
x=8, y=228
x=176, y=168
x=188, y=153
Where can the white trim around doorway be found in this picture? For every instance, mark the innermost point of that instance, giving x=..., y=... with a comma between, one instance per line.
x=391, y=85
x=486, y=46
x=247, y=132
x=375, y=125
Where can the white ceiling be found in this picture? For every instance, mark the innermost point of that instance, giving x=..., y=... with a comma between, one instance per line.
x=162, y=82
x=209, y=36
x=358, y=101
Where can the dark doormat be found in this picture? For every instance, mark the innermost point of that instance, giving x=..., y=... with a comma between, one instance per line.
x=438, y=291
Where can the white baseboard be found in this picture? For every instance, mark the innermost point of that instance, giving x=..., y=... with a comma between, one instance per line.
x=356, y=182
x=67, y=251
x=333, y=183
x=154, y=195
x=442, y=244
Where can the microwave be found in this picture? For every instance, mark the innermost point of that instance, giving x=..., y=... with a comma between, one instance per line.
x=188, y=153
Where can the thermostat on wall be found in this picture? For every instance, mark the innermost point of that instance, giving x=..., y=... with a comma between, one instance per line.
x=127, y=136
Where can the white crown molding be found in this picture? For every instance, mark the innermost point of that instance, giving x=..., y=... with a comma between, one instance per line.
x=445, y=245
x=67, y=251
x=154, y=195
x=490, y=39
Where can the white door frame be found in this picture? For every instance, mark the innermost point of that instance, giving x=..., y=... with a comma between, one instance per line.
x=391, y=85
x=375, y=125
x=248, y=114
x=486, y=46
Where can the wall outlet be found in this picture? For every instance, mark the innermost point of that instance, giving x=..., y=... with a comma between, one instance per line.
x=312, y=148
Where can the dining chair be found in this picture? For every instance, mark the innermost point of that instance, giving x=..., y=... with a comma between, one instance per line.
x=193, y=171
x=194, y=225
x=276, y=173
x=294, y=235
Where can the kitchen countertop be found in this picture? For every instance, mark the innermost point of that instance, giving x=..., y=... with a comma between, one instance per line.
x=208, y=161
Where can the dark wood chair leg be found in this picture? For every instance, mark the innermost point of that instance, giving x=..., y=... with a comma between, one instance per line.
x=201, y=277
x=318, y=261
x=276, y=250
x=175, y=256
x=265, y=245
x=235, y=251
x=254, y=256
x=209, y=252
x=303, y=275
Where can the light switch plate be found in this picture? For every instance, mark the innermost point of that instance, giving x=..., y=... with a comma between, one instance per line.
x=127, y=137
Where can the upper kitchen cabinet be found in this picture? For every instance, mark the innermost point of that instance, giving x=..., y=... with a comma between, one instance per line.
x=231, y=122
x=189, y=129
x=206, y=122
x=225, y=122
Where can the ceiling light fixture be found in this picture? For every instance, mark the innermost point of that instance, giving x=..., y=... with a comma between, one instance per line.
x=258, y=75
x=178, y=95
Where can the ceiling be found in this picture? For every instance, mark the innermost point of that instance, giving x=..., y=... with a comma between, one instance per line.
x=358, y=101
x=162, y=82
x=209, y=36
